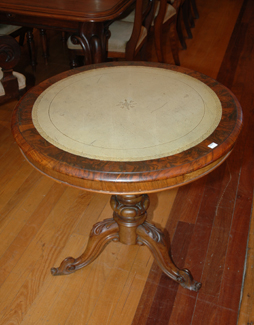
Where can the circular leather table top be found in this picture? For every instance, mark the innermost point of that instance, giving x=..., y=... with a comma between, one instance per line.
x=126, y=113
x=127, y=127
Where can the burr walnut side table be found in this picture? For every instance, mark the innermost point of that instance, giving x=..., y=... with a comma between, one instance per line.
x=127, y=129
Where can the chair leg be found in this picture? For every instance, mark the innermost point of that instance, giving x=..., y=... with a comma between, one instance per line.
x=195, y=10
x=174, y=42
x=143, y=52
x=44, y=45
x=185, y=11
x=179, y=30
x=191, y=19
x=158, y=43
x=73, y=60
x=64, y=37
x=22, y=38
x=31, y=47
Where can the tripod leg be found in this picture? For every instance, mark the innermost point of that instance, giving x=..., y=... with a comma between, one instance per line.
x=152, y=237
x=102, y=234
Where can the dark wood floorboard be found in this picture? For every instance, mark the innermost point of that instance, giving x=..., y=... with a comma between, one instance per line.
x=215, y=245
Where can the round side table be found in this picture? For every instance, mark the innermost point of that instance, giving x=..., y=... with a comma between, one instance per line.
x=127, y=129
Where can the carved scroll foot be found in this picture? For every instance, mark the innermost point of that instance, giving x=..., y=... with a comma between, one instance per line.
x=188, y=281
x=154, y=239
x=102, y=234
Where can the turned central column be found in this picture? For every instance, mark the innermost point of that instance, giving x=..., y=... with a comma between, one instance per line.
x=129, y=213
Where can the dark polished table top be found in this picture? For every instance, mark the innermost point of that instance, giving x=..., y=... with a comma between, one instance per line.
x=78, y=10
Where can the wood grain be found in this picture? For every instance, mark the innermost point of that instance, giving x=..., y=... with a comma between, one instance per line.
x=48, y=10
x=127, y=177
x=28, y=284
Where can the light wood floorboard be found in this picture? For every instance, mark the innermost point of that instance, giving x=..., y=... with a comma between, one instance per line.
x=42, y=222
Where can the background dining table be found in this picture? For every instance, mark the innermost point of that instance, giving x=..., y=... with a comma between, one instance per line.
x=87, y=20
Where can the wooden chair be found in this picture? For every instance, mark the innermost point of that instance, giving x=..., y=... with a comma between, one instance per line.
x=18, y=31
x=165, y=15
x=12, y=84
x=126, y=38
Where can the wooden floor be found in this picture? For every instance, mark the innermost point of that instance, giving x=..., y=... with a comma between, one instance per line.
x=209, y=221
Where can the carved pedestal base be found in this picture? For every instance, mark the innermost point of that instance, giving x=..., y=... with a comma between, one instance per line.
x=128, y=226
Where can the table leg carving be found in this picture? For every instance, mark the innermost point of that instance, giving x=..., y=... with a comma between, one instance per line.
x=154, y=239
x=92, y=38
x=83, y=41
x=102, y=234
x=128, y=226
x=129, y=213
x=99, y=35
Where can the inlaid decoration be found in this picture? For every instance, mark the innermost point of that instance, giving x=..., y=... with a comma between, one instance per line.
x=127, y=113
